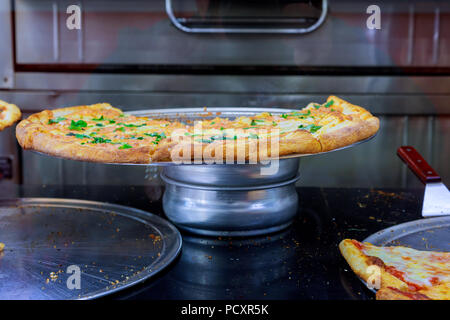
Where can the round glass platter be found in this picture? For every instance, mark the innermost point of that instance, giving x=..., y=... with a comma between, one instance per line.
x=76, y=249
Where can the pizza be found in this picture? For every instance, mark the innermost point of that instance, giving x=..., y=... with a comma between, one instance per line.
x=402, y=273
x=9, y=114
x=103, y=133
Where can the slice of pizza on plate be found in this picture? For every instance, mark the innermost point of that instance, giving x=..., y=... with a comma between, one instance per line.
x=400, y=273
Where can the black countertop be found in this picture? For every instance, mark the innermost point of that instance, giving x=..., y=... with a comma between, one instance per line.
x=301, y=262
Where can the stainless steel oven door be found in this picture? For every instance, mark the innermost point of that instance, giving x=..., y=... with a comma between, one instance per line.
x=230, y=33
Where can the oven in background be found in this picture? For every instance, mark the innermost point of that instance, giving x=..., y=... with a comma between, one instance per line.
x=138, y=55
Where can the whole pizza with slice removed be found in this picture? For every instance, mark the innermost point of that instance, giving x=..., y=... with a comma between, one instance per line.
x=102, y=133
x=9, y=114
x=404, y=273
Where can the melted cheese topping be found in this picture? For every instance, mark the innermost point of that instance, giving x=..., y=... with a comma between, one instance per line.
x=111, y=129
x=105, y=126
x=423, y=268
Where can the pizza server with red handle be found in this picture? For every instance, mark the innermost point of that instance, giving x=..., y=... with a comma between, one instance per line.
x=436, y=201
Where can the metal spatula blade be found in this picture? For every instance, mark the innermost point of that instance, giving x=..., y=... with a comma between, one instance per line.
x=436, y=201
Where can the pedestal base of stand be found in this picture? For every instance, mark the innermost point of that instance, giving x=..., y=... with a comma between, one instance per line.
x=253, y=208
x=238, y=233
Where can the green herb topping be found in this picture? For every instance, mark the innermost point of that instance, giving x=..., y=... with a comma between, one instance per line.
x=131, y=125
x=77, y=125
x=301, y=115
x=125, y=146
x=100, y=140
x=79, y=136
x=157, y=136
x=329, y=103
x=255, y=122
x=204, y=140
x=311, y=127
x=57, y=120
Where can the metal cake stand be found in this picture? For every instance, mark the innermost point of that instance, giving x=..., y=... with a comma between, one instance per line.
x=228, y=199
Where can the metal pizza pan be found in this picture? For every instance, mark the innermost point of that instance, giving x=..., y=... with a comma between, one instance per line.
x=423, y=234
x=76, y=249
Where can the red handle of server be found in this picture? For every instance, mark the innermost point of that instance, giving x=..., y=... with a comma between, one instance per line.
x=418, y=164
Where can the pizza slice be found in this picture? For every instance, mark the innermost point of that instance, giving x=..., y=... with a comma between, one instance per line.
x=344, y=124
x=245, y=137
x=98, y=133
x=9, y=114
x=316, y=128
x=400, y=273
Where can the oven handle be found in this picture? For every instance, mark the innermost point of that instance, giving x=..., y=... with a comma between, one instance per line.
x=317, y=24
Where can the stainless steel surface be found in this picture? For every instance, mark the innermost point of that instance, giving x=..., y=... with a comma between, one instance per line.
x=436, y=201
x=231, y=175
x=6, y=51
x=9, y=150
x=230, y=211
x=114, y=246
x=387, y=95
x=423, y=234
x=317, y=87
x=179, y=24
x=140, y=32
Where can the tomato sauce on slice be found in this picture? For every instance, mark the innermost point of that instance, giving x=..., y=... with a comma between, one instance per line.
x=434, y=281
x=357, y=244
x=413, y=296
x=400, y=275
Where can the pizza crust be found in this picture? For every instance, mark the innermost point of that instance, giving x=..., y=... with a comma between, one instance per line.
x=360, y=264
x=9, y=114
x=389, y=293
x=355, y=131
x=438, y=292
x=359, y=125
x=42, y=142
